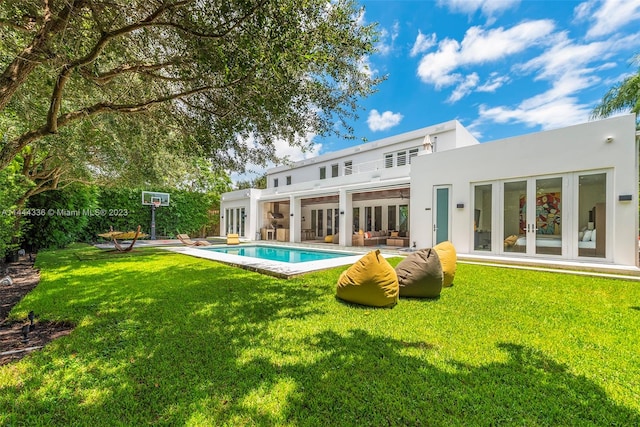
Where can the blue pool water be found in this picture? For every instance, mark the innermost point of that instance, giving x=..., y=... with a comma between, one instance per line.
x=272, y=253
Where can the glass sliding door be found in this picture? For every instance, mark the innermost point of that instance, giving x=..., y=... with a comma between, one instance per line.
x=482, y=217
x=378, y=218
x=243, y=217
x=391, y=218
x=329, y=222
x=320, y=225
x=356, y=220
x=514, y=216
x=367, y=218
x=592, y=215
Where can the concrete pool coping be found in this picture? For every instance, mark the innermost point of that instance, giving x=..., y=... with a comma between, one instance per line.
x=273, y=268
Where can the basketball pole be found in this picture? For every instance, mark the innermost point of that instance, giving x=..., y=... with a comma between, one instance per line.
x=153, y=221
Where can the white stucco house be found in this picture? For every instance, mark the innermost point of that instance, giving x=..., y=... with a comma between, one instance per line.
x=568, y=194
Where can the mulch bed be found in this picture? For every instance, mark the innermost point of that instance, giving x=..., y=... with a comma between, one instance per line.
x=25, y=278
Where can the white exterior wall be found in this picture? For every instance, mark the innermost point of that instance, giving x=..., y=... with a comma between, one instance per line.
x=572, y=149
x=368, y=159
x=247, y=199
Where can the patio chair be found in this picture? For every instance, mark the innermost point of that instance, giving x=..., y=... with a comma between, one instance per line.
x=185, y=239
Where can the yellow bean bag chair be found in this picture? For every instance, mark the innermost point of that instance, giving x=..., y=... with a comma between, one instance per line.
x=370, y=281
x=447, y=254
x=328, y=239
x=420, y=274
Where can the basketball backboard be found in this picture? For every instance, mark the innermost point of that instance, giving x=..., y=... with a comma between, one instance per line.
x=151, y=197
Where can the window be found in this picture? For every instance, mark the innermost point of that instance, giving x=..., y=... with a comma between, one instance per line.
x=388, y=160
x=334, y=170
x=348, y=167
x=323, y=172
x=275, y=182
x=289, y=180
x=401, y=158
x=412, y=153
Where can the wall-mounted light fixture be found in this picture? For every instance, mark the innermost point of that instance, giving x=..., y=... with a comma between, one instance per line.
x=341, y=212
x=625, y=197
x=303, y=219
x=609, y=139
x=460, y=206
x=291, y=214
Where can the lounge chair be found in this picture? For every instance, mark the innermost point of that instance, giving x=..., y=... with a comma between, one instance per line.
x=184, y=238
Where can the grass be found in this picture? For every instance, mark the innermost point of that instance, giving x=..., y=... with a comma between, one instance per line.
x=166, y=339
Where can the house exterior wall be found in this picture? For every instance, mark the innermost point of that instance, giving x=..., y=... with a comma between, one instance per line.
x=367, y=160
x=573, y=149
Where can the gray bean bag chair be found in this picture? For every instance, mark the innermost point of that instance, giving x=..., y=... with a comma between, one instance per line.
x=420, y=274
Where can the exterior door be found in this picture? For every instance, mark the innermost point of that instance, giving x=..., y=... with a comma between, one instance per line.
x=533, y=216
x=441, y=214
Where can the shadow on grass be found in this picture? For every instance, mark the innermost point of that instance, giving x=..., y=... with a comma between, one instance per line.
x=211, y=344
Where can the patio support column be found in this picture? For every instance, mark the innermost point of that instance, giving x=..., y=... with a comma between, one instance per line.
x=295, y=219
x=344, y=206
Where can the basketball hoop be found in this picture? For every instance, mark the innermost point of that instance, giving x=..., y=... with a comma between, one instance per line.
x=156, y=204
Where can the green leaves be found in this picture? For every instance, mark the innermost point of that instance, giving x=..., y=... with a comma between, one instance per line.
x=624, y=96
x=211, y=74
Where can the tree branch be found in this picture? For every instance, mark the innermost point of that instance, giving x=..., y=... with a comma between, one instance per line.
x=16, y=73
x=107, y=76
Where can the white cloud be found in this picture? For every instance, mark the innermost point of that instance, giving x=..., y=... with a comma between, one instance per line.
x=384, y=47
x=464, y=88
x=489, y=8
x=384, y=121
x=479, y=46
x=569, y=67
x=423, y=43
x=565, y=56
x=494, y=83
x=607, y=16
x=557, y=113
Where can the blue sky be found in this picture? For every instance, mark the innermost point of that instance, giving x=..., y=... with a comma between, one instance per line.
x=501, y=67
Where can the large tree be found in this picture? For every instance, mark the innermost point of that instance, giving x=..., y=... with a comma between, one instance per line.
x=217, y=79
x=624, y=96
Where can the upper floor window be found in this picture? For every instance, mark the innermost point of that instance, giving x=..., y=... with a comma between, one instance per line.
x=334, y=170
x=412, y=153
x=323, y=172
x=275, y=182
x=289, y=180
x=348, y=167
x=401, y=158
x=388, y=160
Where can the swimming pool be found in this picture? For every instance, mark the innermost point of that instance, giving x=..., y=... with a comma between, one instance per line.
x=281, y=254
x=275, y=260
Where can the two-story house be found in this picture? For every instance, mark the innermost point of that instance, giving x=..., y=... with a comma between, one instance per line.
x=565, y=194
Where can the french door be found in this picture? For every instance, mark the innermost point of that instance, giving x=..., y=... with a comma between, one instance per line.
x=534, y=216
x=548, y=216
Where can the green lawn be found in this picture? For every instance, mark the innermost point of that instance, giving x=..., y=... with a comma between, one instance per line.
x=168, y=339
